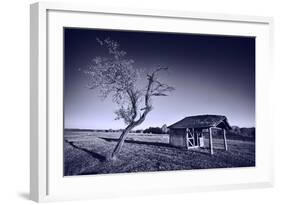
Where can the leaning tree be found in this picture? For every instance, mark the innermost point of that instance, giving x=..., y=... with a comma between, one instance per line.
x=115, y=77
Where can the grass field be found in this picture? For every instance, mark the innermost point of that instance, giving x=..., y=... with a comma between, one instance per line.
x=86, y=152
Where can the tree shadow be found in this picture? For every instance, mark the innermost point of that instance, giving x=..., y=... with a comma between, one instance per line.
x=161, y=144
x=100, y=157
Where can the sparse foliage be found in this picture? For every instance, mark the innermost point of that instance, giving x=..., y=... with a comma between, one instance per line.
x=115, y=76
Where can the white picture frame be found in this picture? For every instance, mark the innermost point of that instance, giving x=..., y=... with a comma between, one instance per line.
x=46, y=179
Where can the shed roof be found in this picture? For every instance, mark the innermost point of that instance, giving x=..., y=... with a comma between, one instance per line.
x=202, y=121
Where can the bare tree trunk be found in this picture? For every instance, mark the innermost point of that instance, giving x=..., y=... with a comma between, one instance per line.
x=121, y=141
x=126, y=131
x=134, y=123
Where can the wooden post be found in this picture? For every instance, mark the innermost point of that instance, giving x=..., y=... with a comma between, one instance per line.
x=197, y=138
x=224, y=137
x=193, y=137
x=186, y=138
x=211, y=141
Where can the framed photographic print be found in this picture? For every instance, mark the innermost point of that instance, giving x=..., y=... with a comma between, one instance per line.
x=120, y=98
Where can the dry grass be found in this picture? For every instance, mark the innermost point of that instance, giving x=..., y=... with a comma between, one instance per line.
x=85, y=153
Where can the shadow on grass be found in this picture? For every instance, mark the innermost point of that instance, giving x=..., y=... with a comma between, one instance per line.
x=161, y=144
x=100, y=157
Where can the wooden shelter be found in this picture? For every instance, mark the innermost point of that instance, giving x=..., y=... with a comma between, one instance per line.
x=189, y=132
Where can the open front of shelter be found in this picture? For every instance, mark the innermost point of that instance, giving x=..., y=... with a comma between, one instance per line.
x=191, y=131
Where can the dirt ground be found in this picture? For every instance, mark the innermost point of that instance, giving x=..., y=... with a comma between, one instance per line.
x=86, y=153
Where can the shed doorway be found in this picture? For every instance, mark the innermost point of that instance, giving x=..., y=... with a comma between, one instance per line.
x=192, y=139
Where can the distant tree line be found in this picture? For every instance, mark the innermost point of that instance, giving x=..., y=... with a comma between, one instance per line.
x=246, y=132
x=153, y=130
x=150, y=130
x=157, y=130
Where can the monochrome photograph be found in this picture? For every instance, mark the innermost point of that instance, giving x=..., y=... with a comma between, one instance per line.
x=140, y=101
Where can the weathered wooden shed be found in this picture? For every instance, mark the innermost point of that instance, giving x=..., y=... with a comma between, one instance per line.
x=189, y=132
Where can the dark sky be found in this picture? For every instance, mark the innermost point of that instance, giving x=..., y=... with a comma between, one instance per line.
x=211, y=74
